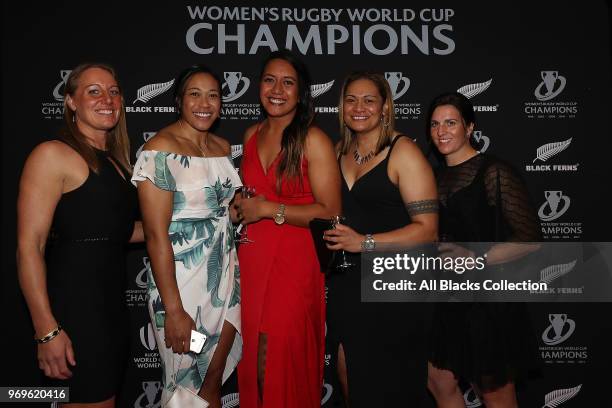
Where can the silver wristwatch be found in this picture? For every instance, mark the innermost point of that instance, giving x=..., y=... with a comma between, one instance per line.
x=279, y=217
x=368, y=244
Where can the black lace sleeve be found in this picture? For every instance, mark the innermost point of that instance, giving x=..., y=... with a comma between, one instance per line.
x=506, y=190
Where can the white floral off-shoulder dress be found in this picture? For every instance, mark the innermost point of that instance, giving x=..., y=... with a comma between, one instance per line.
x=205, y=258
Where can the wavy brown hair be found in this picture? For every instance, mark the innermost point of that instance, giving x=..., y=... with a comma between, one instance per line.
x=387, y=128
x=117, y=140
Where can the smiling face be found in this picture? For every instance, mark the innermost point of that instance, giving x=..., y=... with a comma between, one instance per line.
x=96, y=101
x=201, y=101
x=278, y=89
x=363, y=107
x=450, y=134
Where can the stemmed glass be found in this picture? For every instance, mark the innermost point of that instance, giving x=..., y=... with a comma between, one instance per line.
x=344, y=264
x=246, y=191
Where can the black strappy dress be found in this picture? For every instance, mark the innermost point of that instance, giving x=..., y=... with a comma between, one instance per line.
x=85, y=259
x=384, y=343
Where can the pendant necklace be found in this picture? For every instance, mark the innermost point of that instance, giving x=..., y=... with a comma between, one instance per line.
x=359, y=159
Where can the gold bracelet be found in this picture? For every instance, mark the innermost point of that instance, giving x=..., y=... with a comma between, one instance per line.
x=49, y=336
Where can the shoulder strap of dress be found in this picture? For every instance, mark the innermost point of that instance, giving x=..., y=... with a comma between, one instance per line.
x=393, y=143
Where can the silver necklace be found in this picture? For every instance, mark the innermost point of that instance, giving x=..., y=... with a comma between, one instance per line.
x=359, y=159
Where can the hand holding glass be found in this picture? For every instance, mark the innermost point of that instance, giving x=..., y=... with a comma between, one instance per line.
x=344, y=264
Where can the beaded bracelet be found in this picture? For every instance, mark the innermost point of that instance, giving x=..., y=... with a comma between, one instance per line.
x=49, y=336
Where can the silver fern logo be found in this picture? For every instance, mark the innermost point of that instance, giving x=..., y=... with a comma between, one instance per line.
x=236, y=151
x=147, y=337
x=559, y=330
x=145, y=136
x=230, y=400
x=550, y=210
x=552, y=85
x=148, y=92
x=151, y=396
x=319, y=89
x=470, y=398
x=482, y=141
x=395, y=79
x=235, y=85
x=471, y=90
x=557, y=397
x=58, y=91
x=553, y=272
x=549, y=150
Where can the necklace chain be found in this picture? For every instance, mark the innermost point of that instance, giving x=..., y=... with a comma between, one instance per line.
x=359, y=159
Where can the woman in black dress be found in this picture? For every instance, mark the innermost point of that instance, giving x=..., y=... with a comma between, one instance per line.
x=75, y=214
x=482, y=199
x=388, y=197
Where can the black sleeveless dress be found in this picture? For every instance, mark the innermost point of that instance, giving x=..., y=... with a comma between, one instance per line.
x=85, y=259
x=488, y=344
x=384, y=343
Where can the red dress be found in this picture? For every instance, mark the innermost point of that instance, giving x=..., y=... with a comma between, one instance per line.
x=283, y=296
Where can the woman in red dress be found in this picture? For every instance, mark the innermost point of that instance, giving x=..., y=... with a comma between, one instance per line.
x=292, y=166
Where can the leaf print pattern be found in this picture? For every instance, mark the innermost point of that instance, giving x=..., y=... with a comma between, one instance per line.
x=163, y=177
x=191, y=256
x=235, y=299
x=178, y=202
x=214, y=268
x=183, y=230
x=206, y=265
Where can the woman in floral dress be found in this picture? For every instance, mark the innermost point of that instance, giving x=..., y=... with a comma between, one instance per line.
x=185, y=183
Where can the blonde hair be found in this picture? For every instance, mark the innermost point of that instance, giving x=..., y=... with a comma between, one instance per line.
x=386, y=134
x=117, y=141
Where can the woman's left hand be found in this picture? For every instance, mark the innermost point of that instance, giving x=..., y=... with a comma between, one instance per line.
x=251, y=209
x=343, y=237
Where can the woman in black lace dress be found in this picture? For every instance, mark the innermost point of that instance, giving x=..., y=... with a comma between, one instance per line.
x=482, y=199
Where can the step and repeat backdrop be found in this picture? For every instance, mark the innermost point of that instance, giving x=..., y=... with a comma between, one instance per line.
x=538, y=74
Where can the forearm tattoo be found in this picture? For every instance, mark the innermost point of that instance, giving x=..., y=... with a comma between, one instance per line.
x=422, y=207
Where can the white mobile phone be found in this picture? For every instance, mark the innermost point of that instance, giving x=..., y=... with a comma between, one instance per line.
x=197, y=341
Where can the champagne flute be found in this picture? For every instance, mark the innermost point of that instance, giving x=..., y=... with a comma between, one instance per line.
x=246, y=191
x=344, y=264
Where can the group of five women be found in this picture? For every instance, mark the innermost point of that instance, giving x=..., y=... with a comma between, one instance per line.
x=262, y=308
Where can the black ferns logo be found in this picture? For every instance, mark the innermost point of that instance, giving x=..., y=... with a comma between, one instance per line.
x=319, y=89
x=553, y=272
x=148, y=92
x=471, y=90
x=549, y=150
x=557, y=397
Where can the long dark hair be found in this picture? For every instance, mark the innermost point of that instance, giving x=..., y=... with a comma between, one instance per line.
x=294, y=135
x=117, y=140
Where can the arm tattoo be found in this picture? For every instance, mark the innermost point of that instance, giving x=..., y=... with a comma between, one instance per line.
x=422, y=207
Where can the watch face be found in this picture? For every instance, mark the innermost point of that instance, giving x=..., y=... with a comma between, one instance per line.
x=369, y=245
x=279, y=219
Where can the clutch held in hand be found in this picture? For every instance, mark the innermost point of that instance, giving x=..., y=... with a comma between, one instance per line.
x=197, y=341
x=317, y=227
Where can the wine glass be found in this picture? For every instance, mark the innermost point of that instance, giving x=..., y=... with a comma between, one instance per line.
x=344, y=264
x=246, y=191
